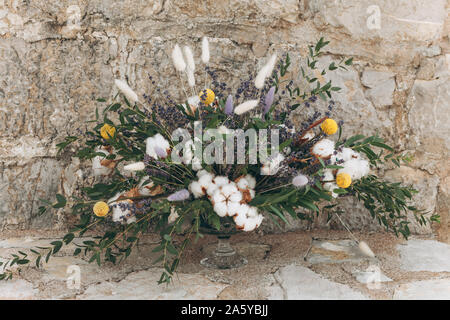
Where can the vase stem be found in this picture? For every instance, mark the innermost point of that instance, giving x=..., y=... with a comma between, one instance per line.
x=224, y=256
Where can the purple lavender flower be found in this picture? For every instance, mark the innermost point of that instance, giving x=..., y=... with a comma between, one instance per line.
x=269, y=100
x=179, y=195
x=229, y=106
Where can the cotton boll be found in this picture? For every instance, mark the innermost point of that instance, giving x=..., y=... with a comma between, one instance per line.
x=272, y=166
x=205, y=180
x=356, y=168
x=196, y=189
x=196, y=164
x=211, y=189
x=330, y=186
x=365, y=249
x=233, y=208
x=202, y=173
x=221, y=181
x=221, y=209
x=156, y=141
x=250, y=225
x=236, y=197
x=131, y=219
x=344, y=155
x=119, y=214
x=252, y=212
x=251, y=181
x=242, y=183
x=323, y=149
x=218, y=196
x=240, y=220
x=173, y=215
x=97, y=167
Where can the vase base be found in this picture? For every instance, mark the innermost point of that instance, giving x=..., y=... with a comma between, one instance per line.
x=230, y=262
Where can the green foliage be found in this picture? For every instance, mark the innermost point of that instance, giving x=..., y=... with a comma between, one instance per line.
x=386, y=202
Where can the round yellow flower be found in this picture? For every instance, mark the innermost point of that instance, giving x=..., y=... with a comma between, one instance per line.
x=101, y=209
x=343, y=180
x=329, y=126
x=207, y=96
x=107, y=131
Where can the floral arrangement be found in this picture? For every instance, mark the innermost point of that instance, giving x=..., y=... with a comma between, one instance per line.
x=148, y=180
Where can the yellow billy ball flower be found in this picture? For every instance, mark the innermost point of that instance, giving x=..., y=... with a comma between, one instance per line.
x=101, y=209
x=343, y=180
x=107, y=131
x=207, y=96
x=329, y=126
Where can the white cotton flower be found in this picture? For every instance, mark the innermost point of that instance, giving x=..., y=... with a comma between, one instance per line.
x=323, y=149
x=356, y=168
x=177, y=59
x=196, y=164
x=238, y=210
x=137, y=166
x=231, y=193
x=242, y=183
x=119, y=214
x=145, y=186
x=345, y=154
x=127, y=91
x=308, y=136
x=272, y=166
x=221, y=208
x=193, y=103
x=202, y=173
x=206, y=180
x=205, y=50
x=173, y=215
x=156, y=141
x=224, y=198
x=251, y=181
x=97, y=167
x=221, y=180
x=249, y=220
x=331, y=186
x=196, y=189
x=211, y=189
x=189, y=58
x=246, y=106
x=265, y=72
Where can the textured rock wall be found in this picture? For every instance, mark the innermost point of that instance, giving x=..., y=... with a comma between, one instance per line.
x=56, y=57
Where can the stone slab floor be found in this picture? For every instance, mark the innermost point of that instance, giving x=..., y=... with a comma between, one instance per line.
x=280, y=266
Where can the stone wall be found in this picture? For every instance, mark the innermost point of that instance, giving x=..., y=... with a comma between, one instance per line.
x=56, y=57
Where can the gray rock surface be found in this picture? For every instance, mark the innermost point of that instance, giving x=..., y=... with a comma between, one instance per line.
x=425, y=255
x=56, y=57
